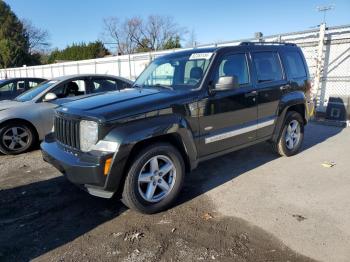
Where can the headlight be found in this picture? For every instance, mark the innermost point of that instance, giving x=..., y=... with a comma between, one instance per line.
x=88, y=135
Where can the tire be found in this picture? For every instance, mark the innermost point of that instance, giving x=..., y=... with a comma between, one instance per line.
x=142, y=178
x=16, y=138
x=289, y=145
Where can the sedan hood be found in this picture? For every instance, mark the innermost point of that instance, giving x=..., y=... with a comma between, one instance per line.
x=119, y=104
x=7, y=104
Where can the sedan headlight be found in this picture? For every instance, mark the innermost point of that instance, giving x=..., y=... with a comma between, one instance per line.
x=88, y=135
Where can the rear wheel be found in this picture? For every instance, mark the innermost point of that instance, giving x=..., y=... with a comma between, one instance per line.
x=154, y=179
x=16, y=138
x=292, y=135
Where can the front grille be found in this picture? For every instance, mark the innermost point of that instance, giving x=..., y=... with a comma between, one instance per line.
x=67, y=132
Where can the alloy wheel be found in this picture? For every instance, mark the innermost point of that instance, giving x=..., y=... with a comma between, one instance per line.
x=293, y=134
x=156, y=178
x=16, y=138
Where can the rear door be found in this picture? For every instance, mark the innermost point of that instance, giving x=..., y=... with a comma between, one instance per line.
x=271, y=83
x=228, y=118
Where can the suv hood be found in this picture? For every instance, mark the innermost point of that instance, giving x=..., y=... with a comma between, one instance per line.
x=119, y=104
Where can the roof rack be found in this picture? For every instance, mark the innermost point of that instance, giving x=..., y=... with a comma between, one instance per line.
x=266, y=43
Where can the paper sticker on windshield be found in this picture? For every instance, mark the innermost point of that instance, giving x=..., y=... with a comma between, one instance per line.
x=197, y=56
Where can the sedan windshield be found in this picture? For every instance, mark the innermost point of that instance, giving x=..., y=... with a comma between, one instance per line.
x=32, y=93
x=175, y=72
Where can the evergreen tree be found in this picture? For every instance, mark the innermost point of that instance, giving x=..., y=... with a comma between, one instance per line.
x=80, y=51
x=173, y=42
x=14, y=43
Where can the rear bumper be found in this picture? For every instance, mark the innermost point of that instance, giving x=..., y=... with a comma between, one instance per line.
x=83, y=169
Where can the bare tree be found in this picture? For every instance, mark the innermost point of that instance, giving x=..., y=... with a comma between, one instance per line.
x=113, y=33
x=38, y=38
x=136, y=34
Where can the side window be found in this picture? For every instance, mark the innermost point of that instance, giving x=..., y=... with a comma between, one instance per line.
x=268, y=66
x=103, y=85
x=72, y=88
x=294, y=64
x=9, y=87
x=234, y=65
x=33, y=83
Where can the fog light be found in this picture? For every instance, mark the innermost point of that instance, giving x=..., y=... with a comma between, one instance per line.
x=108, y=164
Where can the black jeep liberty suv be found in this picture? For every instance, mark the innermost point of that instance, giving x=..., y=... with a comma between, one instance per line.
x=186, y=107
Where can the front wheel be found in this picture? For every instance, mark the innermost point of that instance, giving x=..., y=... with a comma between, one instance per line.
x=154, y=179
x=291, y=138
x=16, y=138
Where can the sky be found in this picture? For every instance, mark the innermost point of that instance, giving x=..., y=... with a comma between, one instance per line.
x=71, y=21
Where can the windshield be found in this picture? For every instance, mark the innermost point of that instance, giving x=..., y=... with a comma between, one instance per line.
x=182, y=71
x=32, y=93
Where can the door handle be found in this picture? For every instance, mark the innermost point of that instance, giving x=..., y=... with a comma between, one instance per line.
x=250, y=94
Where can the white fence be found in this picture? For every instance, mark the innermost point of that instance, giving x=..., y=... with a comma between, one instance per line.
x=327, y=51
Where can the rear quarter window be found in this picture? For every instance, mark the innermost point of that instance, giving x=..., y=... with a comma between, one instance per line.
x=294, y=64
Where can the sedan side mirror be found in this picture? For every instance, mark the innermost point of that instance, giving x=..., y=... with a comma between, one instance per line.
x=49, y=97
x=227, y=83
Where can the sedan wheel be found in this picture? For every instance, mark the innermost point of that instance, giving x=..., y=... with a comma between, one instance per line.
x=15, y=139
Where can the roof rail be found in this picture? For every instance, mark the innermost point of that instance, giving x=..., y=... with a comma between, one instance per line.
x=266, y=43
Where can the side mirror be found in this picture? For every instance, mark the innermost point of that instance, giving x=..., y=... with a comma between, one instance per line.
x=227, y=83
x=49, y=97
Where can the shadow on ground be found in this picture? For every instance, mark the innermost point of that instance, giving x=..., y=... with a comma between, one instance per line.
x=215, y=172
x=39, y=217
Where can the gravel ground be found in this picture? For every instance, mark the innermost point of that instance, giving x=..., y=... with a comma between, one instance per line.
x=45, y=218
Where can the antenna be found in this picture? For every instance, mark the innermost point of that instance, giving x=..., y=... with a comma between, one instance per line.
x=324, y=9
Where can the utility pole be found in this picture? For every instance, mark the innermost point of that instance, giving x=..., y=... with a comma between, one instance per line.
x=319, y=73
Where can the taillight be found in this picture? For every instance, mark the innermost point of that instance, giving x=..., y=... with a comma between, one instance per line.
x=310, y=99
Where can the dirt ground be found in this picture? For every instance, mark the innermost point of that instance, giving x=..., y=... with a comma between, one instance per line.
x=45, y=218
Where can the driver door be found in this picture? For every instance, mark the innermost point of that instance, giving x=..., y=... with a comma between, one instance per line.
x=228, y=118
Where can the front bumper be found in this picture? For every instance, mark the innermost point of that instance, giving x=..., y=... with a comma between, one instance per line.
x=83, y=169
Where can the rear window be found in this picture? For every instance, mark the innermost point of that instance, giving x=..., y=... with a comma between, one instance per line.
x=294, y=64
x=268, y=66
